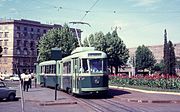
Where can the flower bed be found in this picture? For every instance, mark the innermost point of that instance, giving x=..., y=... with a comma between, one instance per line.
x=154, y=81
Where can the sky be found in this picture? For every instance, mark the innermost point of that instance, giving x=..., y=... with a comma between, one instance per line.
x=138, y=22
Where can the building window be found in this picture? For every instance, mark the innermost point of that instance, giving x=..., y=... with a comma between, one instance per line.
x=38, y=36
x=18, y=51
x=6, y=34
x=18, y=28
x=25, y=52
x=44, y=31
x=25, y=43
x=38, y=30
x=32, y=35
x=5, y=42
x=18, y=34
x=25, y=34
x=1, y=34
x=5, y=50
x=25, y=28
x=32, y=44
x=32, y=29
x=18, y=42
x=32, y=52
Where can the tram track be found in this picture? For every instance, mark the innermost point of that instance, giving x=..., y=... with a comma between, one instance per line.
x=121, y=106
x=106, y=105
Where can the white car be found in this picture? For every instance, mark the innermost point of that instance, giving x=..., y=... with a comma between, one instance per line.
x=15, y=78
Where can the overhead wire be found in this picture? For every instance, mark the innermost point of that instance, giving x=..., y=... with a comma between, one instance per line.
x=86, y=12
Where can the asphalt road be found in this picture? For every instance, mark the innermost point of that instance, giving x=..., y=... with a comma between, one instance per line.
x=113, y=103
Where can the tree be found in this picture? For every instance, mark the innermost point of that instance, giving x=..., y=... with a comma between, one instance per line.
x=158, y=67
x=112, y=45
x=171, y=59
x=165, y=53
x=144, y=58
x=1, y=51
x=61, y=38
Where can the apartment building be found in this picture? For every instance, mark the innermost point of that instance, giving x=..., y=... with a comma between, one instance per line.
x=19, y=39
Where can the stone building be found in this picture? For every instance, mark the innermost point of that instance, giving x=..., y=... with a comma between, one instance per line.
x=157, y=51
x=19, y=39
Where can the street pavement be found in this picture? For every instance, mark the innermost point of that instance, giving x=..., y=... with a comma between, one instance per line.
x=46, y=96
x=39, y=99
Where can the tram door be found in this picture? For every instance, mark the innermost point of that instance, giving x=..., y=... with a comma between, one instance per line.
x=75, y=81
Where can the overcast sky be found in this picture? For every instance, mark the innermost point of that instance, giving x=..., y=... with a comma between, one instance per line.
x=138, y=21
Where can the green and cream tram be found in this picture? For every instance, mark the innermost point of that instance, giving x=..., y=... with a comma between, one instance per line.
x=83, y=72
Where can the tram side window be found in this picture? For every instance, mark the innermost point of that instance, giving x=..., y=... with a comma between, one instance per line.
x=43, y=69
x=46, y=69
x=53, y=69
x=67, y=67
x=84, y=66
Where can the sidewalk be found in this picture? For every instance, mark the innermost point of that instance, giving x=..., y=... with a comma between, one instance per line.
x=143, y=96
x=46, y=96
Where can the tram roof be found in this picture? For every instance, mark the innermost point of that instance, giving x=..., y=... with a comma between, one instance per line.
x=47, y=62
x=87, y=54
x=82, y=49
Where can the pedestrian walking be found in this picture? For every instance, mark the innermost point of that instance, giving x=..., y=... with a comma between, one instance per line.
x=30, y=80
x=26, y=81
x=22, y=78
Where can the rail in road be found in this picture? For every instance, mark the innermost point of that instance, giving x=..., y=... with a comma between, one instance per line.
x=107, y=105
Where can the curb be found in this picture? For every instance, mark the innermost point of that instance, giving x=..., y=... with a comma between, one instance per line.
x=145, y=91
x=50, y=103
x=149, y=101
x=56, y=103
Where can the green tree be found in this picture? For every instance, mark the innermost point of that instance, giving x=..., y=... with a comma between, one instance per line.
x=1, y=51
x=158, y=67
x=171, y=59
x=144, y=58
x=61, y=38
x=166, y=53
x=112, y=45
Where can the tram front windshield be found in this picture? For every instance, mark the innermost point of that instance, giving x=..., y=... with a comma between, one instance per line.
x=94, y=66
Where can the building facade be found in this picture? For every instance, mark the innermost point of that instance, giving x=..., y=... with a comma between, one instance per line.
x=19, y=39
x=158, y=51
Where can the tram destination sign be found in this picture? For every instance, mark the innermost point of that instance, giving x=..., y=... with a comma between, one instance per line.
x=94, y=54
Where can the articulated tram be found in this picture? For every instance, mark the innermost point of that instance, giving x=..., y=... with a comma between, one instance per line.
x=83, y=72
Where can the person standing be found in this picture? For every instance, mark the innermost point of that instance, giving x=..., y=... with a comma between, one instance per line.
x=26, y=81
x=30, y=80
x=22, y=79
